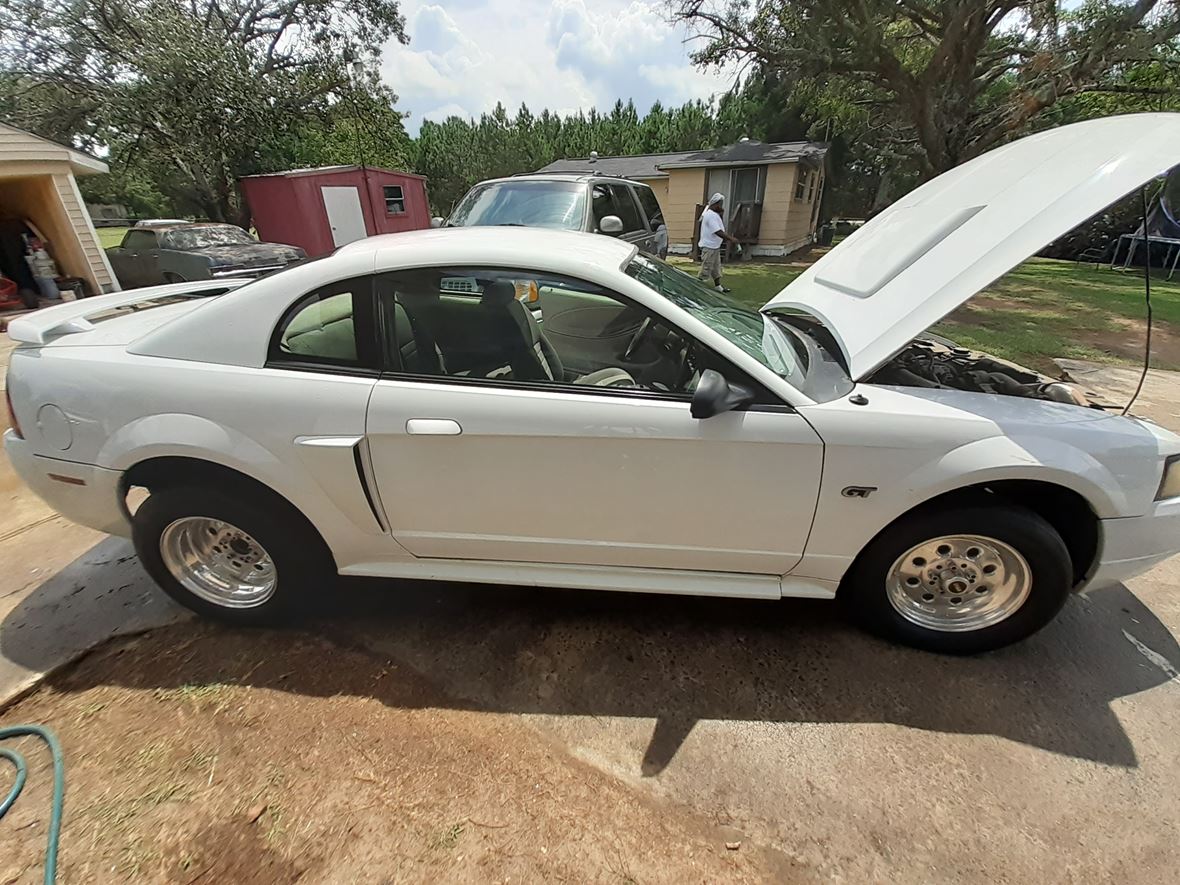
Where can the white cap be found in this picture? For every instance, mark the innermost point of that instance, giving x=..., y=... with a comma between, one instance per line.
x=716, y=198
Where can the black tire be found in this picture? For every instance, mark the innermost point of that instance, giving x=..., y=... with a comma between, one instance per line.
x=864, y=595
x=302, y=562
x=170, y=277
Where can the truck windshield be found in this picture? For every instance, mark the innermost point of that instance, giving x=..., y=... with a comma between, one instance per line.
x=554, y=204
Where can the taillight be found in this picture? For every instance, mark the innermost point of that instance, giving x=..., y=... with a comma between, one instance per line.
x=12, y=422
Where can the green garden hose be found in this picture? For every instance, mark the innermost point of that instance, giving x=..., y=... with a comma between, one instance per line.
x=22, y=773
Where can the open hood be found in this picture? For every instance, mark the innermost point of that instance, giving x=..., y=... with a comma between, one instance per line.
x=937, y=246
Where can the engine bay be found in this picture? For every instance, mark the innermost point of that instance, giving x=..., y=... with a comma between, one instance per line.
x=937, y=363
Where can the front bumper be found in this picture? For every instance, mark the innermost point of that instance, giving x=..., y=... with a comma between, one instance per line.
x=1133, y=545
x=82, y=493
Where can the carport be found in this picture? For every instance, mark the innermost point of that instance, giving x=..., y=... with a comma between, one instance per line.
x=39, y=196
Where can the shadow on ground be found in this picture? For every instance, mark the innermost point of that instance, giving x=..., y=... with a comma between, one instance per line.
x=677, y=660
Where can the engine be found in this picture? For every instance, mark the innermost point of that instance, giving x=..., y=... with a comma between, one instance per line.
x=931, y=363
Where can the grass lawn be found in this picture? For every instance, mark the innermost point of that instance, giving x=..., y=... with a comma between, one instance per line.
x=110, y=236
x=1041, y=310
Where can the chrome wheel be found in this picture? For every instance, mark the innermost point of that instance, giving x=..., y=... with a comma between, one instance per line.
x=218, y=562
x=959, y=583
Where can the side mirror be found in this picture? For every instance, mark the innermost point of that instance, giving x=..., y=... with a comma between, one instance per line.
x=437, y=221
x=611, y=225
x=716, y=394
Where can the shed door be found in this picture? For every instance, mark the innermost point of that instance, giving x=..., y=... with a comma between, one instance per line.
x=343, y=205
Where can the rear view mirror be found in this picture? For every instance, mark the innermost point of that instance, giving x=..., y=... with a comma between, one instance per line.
x=716, y=394
x=437, y=221
x=611, y=225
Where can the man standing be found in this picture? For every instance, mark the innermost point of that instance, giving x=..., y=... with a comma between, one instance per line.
x=712, y=235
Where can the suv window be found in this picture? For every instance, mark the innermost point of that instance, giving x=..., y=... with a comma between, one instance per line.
x=626, y=209
x=319, y=329
x=651, y=206
x=139, y=239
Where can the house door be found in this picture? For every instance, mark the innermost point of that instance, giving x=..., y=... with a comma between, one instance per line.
x=345, y=218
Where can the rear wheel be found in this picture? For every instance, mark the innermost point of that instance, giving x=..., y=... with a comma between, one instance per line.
x=245, y=560
x=961, y=580
x=170, y=277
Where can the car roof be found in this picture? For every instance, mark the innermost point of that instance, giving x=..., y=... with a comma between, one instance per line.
x=235, y=328
x=490, y=244
x=564, y=176
x=184, y=225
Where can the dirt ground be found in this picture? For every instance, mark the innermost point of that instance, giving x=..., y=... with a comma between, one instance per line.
x=283, y=758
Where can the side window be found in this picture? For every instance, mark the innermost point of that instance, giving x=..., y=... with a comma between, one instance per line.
x=395, y=201
x=510, y=326
x=139, y=239
x=602, y=204
x=651, y=206
x=320, y=328
x=802, y=183
x=626, y=209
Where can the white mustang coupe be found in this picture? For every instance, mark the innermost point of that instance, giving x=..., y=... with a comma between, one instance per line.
x=510, y=405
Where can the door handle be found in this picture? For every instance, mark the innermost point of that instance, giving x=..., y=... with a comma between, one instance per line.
x=433, y=426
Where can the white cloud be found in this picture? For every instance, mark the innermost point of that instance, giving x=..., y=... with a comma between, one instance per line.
x=560, y=54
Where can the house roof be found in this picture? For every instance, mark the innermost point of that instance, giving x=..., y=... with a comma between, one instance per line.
x=329, y=170
x=17, y=144
x=637, y=166
x=752, y=153
x=743, y=153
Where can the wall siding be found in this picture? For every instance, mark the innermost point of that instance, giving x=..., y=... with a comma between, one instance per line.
x=777, y=204
x=799, y=218
x=101, y=275
x=686, y=190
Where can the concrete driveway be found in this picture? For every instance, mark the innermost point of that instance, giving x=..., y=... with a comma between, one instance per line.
x=1055, y=760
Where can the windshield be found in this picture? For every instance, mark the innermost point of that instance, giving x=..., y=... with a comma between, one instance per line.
x=553, y=204
x=782, y=347
x=201, y=237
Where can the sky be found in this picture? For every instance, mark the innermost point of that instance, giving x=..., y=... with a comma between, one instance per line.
x=465, y=55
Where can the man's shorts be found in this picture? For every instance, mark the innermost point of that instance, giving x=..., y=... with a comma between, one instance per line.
x=710, y=264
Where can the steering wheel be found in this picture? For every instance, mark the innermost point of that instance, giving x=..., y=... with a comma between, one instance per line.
x=637, y=339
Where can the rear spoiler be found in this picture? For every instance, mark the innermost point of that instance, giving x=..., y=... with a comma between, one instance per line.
x=42, y=326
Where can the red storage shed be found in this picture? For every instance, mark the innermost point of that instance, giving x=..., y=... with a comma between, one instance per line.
x=320, y=209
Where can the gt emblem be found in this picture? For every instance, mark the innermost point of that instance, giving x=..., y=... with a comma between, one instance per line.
x=858, y=491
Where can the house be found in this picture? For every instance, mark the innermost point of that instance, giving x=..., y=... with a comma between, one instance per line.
x=772, y=191
x=39, y=197
x=323, y=208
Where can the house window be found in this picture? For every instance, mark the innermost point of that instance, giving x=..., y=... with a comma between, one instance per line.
x=804, y=184
x=395, y=201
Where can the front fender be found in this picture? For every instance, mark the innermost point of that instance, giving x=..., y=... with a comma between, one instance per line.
x=903, y=477
x=1021, y=457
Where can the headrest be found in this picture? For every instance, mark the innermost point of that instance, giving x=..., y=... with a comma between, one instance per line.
x=499, y=293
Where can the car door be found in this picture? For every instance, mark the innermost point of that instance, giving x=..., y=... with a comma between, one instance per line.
x=616, y=199
x=145, y=257
x=654, y=215
x=502, y=465
x=134, y=260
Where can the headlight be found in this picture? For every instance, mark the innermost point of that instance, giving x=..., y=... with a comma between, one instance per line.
x=1170, y=482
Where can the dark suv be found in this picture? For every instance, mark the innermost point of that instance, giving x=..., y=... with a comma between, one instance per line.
x=571, y=201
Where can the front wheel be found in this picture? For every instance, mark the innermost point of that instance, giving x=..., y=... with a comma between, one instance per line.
x=237, y=558
x=960, y=580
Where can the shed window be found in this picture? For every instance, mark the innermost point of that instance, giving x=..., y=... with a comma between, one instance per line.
x=395, y=201
x=803, y=185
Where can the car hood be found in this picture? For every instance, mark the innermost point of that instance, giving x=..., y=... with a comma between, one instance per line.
x=251, y=254
x=933, y=249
